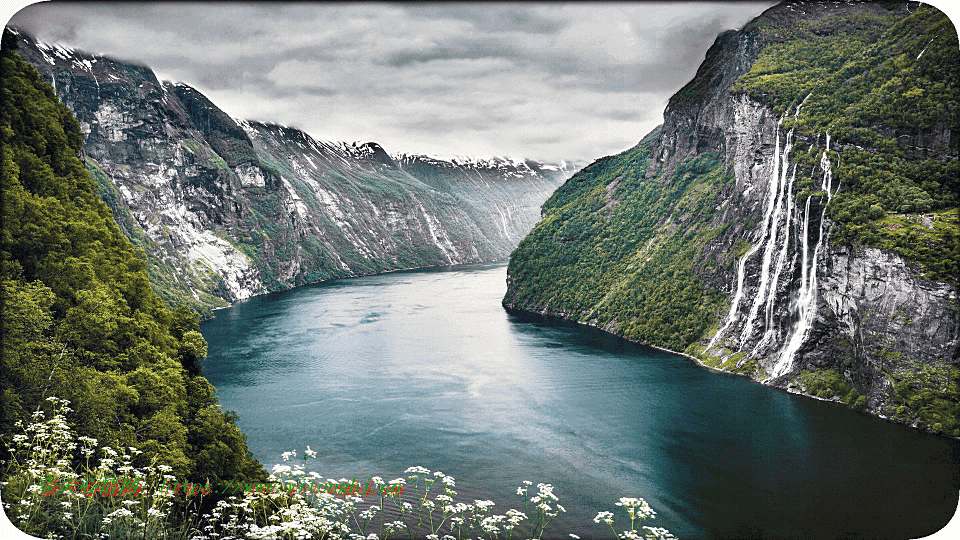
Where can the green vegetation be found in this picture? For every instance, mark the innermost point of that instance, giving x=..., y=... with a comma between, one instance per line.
x=80, y=320
x=104, y=493
x=617, y=250
x=929, y=395
x=208, y=158
x=830, y=384
x=886, y=87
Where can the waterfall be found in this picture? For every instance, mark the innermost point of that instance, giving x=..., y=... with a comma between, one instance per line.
x=781, y=261
x=732, y=315
x=796, y=115
x=780, y=180
x=807, y=298
x=827, y=183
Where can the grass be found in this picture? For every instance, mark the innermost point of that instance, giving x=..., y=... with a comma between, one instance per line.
x=908, y=236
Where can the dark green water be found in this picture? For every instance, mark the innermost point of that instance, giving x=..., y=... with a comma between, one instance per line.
x=426, y=368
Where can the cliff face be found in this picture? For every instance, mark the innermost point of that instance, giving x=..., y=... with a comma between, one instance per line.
x=766, y=227
x=225, y=209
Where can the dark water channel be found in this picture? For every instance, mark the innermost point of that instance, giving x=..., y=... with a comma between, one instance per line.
x=426, y=368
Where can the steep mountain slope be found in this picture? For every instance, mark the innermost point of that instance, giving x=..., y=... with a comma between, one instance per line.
x=794, y=219
x=225, y=209
x=80, y=321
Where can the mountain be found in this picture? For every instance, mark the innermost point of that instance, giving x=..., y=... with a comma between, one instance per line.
x=793, y=220
x=81, y=323
x=225, y=208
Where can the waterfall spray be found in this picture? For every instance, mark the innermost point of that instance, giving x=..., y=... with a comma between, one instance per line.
x=781, y=262
x=780, y=178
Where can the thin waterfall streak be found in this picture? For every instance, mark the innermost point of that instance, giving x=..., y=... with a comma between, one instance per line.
x=732, y=315
x=796, y=338
x=807, y=298
x=781, y=260
x=784, y=248
x=827, y=183
x=780, y=177
x=803, y=253
x=796, y=115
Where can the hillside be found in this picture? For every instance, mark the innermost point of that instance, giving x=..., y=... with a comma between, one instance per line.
x=793, y=220
x=80, y=320
x=225, y=208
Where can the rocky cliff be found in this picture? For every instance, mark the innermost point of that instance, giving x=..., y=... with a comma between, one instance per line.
x=794, y=219
x=225, y=208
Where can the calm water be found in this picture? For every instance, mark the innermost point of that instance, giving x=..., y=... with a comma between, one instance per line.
x=426, y=368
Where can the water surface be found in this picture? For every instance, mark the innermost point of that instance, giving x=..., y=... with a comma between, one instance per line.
x=426, y=368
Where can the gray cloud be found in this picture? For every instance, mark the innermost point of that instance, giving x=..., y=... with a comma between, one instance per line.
x=452, y=51
x=491, y=17
x=541, y=80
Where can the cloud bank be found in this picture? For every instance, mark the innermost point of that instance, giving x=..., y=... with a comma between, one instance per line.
x=571, y=81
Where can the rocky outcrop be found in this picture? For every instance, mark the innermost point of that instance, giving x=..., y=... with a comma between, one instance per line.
x=776, y=298
x=874, y=312
x=225, y=209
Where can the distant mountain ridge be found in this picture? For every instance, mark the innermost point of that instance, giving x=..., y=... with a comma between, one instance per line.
x=226, y=208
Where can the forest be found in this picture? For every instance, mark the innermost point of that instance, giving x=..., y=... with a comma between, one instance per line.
x=80, y=320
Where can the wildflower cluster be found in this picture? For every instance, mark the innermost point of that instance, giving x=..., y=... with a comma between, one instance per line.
x=44, y=460
x=638, y=510
x=55, y=477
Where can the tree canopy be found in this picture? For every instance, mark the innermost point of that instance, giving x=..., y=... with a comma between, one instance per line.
x=80, y=320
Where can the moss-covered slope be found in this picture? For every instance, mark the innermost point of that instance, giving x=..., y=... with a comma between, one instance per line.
x=794, y=219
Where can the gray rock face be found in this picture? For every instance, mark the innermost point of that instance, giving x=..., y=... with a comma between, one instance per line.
x=225, y=209
x=858, y=325
x=878, y=315
x=799, y=304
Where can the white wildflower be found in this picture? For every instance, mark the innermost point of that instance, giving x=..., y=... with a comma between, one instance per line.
x=606, y=517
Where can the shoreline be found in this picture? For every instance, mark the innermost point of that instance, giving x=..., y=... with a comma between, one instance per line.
x=699, y=363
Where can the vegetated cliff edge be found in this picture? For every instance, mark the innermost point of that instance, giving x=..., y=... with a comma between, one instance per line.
x=793, y=220
x=225, y=209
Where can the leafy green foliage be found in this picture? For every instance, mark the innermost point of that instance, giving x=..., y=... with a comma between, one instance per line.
x=929, y=395
x=886, y=87
x=80, y=320
x=616, y=249
x=830, y=384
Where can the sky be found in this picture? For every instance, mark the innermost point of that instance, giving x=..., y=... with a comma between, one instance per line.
x=545, y=81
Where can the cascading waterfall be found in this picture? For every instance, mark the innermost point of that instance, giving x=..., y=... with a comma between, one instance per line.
x=796, y=115
x=780, y=179
x=732, y=315
x=781, y=261
x=807, y=299
x=775, y=240
x=827, y=182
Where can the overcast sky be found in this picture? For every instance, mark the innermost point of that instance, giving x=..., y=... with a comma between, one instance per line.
x=536, y=80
